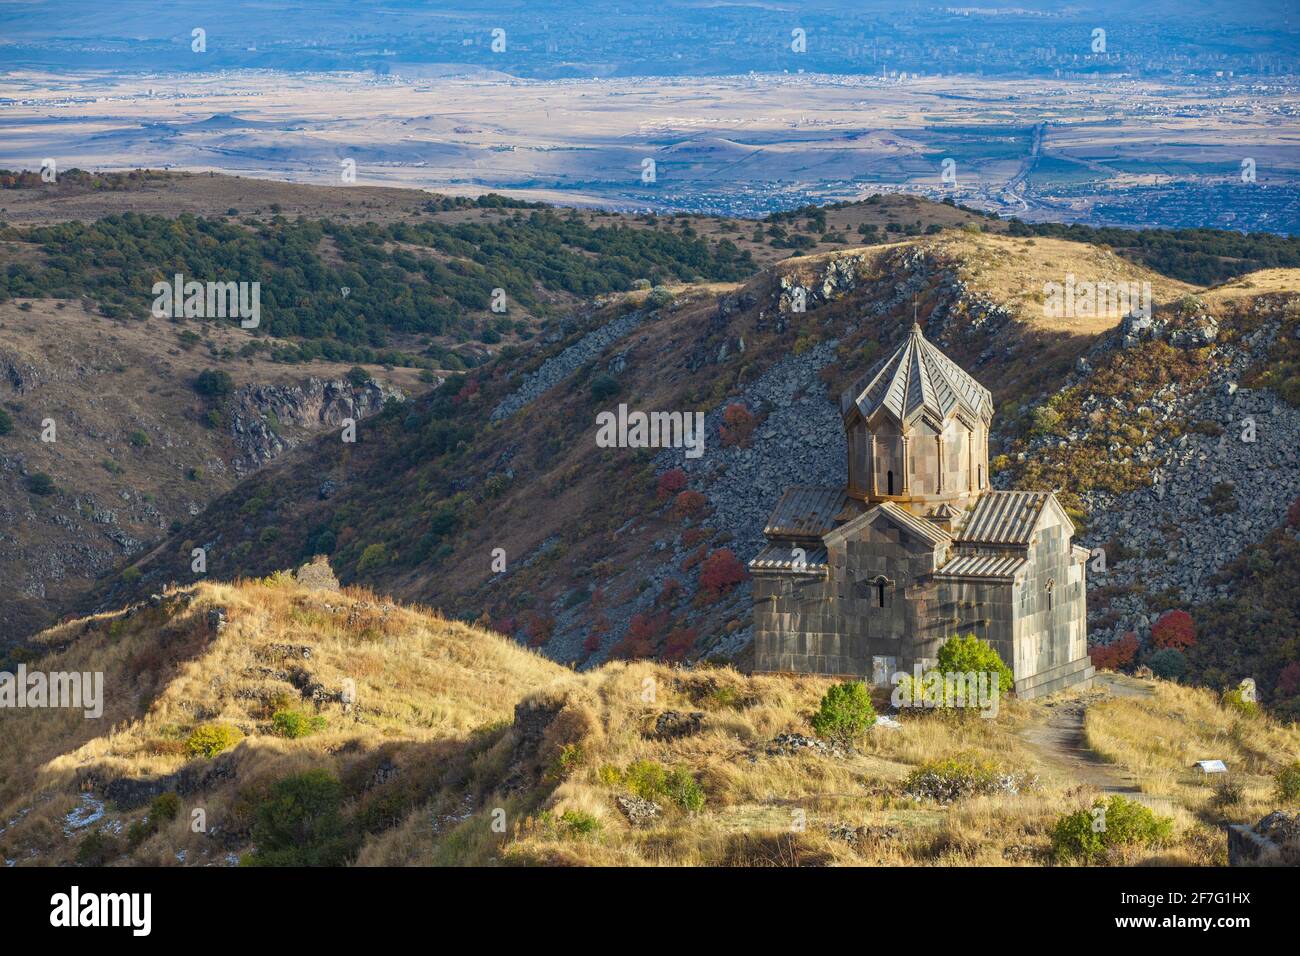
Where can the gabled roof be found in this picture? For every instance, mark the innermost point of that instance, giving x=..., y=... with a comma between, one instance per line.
x=986, y=567
x=805, y=511
x=1005, y=517
x=917, y=378
x=918, y=527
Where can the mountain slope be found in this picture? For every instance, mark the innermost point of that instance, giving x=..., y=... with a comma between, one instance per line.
x=617, y=563
x=514, y=759
x=113, y=413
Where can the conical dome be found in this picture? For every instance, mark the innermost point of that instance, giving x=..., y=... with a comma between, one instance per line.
x=917, y=378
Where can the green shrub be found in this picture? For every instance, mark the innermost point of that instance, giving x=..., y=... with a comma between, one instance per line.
x=646, y=779
x=579, y=823
x=40, y=484
x=1227, y=794
x=570, y=758
x=659, y=297
x=97, y=849
x=1089, y=836
x=164, y=808
x=300, y=823
x=846, y=712
x=214, y=383
x=374, y=556
x=208, y=740
x=651, y=781
x=1169, y=663
x=604, y=387
x=684, y=790
x=139, y=439
x=131, y=574
x=967, y=655
x=6, y=422
x=1234, y=699
x=1044, y=421
x=294, y=723
x=1286, y=783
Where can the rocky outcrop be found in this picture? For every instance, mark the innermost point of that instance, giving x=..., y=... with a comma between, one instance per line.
x=1189, y=328
x=268, y=420
x=1253, y=462
x=557, y=369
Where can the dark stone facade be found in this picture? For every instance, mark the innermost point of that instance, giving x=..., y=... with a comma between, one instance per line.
x=871, y=579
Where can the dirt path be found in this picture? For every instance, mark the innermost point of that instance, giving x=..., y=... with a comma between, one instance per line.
x=1059, y=742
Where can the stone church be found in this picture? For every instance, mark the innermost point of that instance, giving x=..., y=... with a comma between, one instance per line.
x=867, y=580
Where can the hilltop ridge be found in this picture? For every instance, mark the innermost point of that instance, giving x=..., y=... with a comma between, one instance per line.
x=242, y=700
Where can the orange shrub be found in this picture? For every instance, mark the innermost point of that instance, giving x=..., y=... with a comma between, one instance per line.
x=670, y=482
x=679, y=643
x=688, y=504
x=721, y=571
x=738, y=425
x=643, y=633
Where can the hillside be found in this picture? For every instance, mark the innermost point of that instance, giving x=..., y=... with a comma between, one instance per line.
x=233, y=700
x=640, y=552
x=136, y=448
x=620, y=563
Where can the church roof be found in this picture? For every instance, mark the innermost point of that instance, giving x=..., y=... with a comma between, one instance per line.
x=994, y=567
x=776, y=557
x=901, y=517
x=917, y=378
x=805, y=511
x=1004, y=517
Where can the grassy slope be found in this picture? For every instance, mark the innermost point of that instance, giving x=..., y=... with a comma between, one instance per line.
x=437, y=735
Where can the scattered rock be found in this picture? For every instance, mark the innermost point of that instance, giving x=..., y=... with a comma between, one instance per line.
x=786, y=745
x=671, y=724
x=317, y=575
x=639, y=812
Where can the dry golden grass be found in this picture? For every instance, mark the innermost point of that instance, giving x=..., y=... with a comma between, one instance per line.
x=423, y=685
x=1013, y=272
x=464, y=748
x=1158, y=739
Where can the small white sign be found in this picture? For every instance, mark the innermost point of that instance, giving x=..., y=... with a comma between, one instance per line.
x=1212, y=766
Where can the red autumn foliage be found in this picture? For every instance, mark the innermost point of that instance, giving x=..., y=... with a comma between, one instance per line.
x=1293, y=514
x=467, y=391
x=672, y=588
x=1118, y=653
x=670, y=482
x=695, y=557
x=689, y=503
x=1174, y=629
x=738, y=425
x=721, y=571
x=1288, y=680
x=643, y=633
x=679, y=643
x=506, y=626
x=693, y=536
x=599, y=630
x=539, y=627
